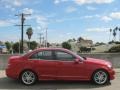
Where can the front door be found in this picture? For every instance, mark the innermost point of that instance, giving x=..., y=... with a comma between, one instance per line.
x=67, y=68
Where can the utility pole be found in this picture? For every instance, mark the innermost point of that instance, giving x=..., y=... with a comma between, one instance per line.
x=46, y=38
x=22, y=15
x=40, y=38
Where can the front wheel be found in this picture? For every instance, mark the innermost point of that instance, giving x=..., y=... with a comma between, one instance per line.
x=100, y=77
x=28, y=77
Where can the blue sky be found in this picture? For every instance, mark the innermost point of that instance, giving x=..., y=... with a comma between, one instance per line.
x=90, y=19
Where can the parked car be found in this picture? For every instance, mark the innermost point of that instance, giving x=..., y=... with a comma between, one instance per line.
x=58, y=64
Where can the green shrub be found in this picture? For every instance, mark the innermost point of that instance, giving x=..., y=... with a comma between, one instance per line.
x=66, y=45
x=114, y=49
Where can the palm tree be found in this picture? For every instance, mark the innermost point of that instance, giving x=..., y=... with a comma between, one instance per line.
x=110, y=34
x=114, y=33
x=29, y=33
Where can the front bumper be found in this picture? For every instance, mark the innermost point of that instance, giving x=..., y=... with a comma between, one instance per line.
x=112, y=74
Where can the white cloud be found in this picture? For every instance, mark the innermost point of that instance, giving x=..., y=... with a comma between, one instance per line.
x=56, y=1
x=88, y=16
x=66, y=19
x=91, y=8
x=42, y=21
x=91, y=16
x=111, y=16
x=115, y=15
x=28, y=10
x=9, y=22
x=10, y=7
x=17, y=3
x=106, y=18
x=81, y=2
x=68, y=33
x=97, y=29
x=71, y=9
x=59, y=1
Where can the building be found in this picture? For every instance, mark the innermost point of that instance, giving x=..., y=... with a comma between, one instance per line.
x=3, y=49
x=84, y=43
x=76, y=44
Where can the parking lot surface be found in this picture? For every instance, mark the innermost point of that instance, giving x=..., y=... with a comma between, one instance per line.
x=9, y=84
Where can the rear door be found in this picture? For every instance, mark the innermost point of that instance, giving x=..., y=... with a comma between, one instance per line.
x=44, y=64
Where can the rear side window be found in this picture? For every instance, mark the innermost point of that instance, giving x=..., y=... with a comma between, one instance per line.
x=46, y=55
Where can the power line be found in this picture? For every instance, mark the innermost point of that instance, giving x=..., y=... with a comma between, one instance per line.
x=22, y=15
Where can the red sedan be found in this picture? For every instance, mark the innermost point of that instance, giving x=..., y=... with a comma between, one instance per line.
x=58, y=64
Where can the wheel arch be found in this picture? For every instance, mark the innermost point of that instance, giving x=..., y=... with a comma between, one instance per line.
x=98, y=70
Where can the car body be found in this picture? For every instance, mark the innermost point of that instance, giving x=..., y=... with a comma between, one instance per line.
x=58, y=64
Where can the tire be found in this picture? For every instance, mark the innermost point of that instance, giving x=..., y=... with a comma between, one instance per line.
x=100, y=77
x=28, y=77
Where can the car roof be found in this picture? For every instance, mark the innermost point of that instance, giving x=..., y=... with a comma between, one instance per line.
x=40, y=49
x=51, y=49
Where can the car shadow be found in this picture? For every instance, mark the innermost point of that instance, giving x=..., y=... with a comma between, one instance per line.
x=6, y=83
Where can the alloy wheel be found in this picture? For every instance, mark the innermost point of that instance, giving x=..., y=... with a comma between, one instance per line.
x=100, y=77
x=28, y=77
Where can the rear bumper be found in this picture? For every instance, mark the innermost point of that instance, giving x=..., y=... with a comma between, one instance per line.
x=11, y=74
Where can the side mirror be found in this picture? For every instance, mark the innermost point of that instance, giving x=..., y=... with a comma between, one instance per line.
x=84, y=58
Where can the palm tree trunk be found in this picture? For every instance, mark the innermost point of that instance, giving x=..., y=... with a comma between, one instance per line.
x=29, y=44
x=119, y=35
x=110, y=37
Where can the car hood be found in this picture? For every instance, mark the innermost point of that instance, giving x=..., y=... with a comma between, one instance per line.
x=97, y=61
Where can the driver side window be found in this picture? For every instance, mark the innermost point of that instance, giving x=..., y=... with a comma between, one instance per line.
x=64, y=56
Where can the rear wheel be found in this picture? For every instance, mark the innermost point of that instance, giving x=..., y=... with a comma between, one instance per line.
x=28, y=77
x=100, y=77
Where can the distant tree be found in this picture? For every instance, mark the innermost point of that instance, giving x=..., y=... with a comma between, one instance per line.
x=8, y=45
x=74, y=39
x=66, y=45
x=85, y=49
x=1, y=43
x=110, y=34
x=111, y=42
x=114, y=49
x=48, y=44
x=70, y=40
x=119, y=34
x=80, y=38
x=99, y=43
x=33, y=44
x=29, y=33
x=115, y=33
x=16, y=47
